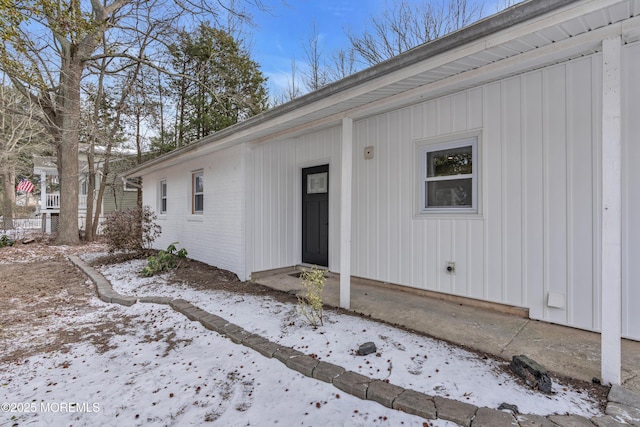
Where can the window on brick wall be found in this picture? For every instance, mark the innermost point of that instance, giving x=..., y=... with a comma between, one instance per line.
x=197, y=192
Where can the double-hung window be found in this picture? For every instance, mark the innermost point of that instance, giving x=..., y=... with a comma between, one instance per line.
x=163, y=197
x=448, y=176
x=197, y=192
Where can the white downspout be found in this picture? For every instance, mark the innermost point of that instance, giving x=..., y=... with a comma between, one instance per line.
x=611, y=212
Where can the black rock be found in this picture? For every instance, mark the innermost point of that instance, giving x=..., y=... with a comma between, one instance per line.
x=534, y=374
x=509, y=407
x=367, y=348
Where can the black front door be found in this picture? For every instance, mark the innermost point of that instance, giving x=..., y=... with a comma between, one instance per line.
x=315, y=215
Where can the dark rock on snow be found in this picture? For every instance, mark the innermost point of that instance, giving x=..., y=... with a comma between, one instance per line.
x=366, y=348
x=534, y=374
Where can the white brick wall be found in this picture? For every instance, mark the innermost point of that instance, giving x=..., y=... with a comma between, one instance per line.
x=216, y=237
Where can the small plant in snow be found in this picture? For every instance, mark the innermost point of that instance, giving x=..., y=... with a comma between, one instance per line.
x=164, y=260
x=6, y=241
x=310, y=304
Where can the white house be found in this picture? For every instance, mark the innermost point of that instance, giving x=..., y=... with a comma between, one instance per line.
x=119, y=194
x=498, y=163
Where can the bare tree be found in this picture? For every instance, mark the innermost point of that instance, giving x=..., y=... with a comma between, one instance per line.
x=292, y=90
x=21, y=134
x=406, y=25
x=343, y=64
x=46, y=47
x=104, y=124
x=141, y=112
x=504, y=4
x=315, y=75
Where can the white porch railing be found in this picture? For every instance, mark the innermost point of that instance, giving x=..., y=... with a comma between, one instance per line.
x=53, y=201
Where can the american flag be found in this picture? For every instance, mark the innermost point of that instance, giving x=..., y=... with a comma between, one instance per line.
x=24, y=184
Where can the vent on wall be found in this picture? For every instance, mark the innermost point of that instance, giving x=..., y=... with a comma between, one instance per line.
x=555, y=300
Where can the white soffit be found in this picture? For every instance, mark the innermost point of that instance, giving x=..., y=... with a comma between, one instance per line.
x=528, y=42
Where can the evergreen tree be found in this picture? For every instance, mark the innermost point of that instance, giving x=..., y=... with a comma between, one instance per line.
x=219, y=84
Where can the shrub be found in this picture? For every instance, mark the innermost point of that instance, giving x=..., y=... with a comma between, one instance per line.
x=310, y=304
x=6, y=241
x=164, y=260
x=131, y=230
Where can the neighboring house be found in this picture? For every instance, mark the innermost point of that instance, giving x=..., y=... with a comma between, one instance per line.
x=497, y=163
x=119, y=194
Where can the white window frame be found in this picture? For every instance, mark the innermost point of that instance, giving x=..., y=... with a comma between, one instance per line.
x=163, y=197
x=194, y=175
x=423, y=147
x=131, y=184
x=84, y=185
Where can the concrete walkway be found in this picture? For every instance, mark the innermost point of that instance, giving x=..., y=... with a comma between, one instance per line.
x=624, y=405
x=562, y=350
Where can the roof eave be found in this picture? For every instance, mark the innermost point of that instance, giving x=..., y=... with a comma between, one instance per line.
x=507, y=18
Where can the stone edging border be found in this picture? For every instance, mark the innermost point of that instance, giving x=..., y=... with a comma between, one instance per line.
x=623, y=404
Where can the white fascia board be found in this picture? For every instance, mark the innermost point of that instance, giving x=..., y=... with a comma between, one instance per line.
x=175, y=158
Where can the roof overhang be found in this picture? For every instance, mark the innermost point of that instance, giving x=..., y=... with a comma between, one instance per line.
x=525, y=37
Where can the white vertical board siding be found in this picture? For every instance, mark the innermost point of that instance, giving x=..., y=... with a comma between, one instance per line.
x=537, y=230
x=555, y=146
x=581, y=201
x=630, y=191
x=492, y=193
x=217, y=236
x=276, y=199
x=537, y=227
x=512, y=194
x=274, y=183
x=533, y=205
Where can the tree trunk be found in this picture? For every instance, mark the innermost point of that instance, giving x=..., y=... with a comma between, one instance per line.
x=183, y=95
x=68, y=152
x=103, y=184
x=98, y=211
x=91, y=184
x=161, y=105
x=138, y=162
x=9, y=196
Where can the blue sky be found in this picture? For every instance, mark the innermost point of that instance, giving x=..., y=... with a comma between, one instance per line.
x=279, y=35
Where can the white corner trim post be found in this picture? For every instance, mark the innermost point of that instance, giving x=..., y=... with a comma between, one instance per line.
x=44, y=214
x=611, y=283
x=43, y=191
x=345, y=212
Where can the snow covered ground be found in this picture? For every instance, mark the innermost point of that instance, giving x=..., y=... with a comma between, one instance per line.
x=163, y=369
